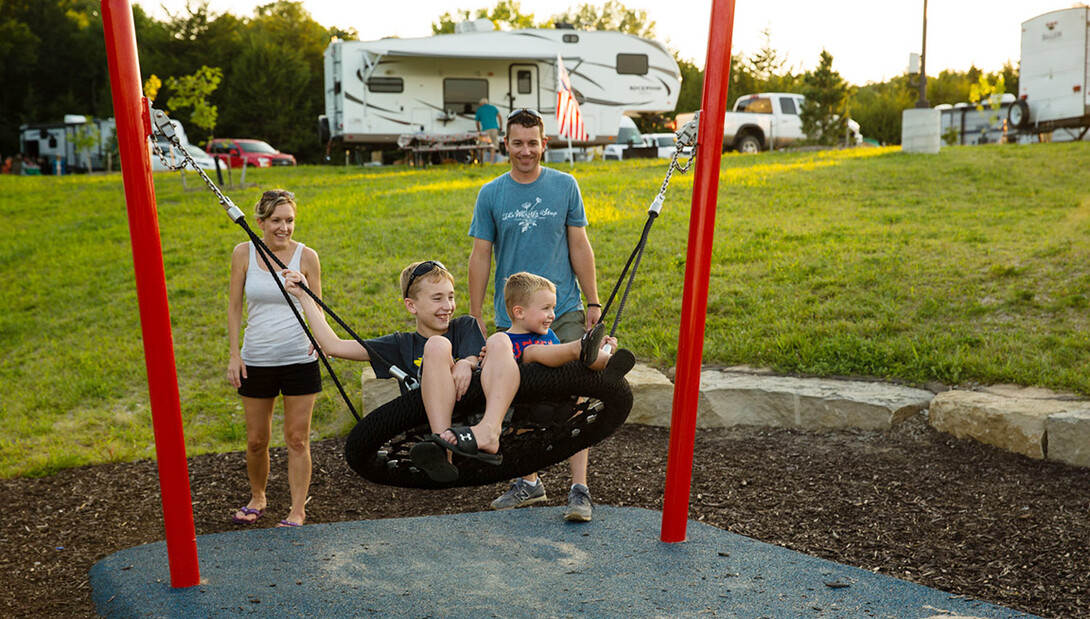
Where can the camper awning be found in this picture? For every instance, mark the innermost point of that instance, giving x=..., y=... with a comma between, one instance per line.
x=521, y=45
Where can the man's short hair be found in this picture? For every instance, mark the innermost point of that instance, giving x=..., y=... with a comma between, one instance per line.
x=526, y=118
x=520, y=288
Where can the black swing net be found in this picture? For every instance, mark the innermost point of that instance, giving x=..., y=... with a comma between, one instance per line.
x=556, y=413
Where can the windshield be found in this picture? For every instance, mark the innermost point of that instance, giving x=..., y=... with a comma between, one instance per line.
x=664, y=141
x=628, y=135
x=257, y=146
x=755, y=105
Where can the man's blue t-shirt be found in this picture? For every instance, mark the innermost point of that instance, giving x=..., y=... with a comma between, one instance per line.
x=488, y=116
x=527, y=225
x=519, y=341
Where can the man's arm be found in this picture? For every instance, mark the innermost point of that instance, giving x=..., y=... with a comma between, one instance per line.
x=582, y=262
x=480, y=266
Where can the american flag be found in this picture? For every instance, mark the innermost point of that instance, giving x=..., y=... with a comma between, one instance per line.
x=569, y=121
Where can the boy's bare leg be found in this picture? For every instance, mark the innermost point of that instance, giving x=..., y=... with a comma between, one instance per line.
x=500, y=379
x=437, y=382
x=579, y=463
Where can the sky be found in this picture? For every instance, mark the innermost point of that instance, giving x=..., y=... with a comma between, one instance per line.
x=870, y=40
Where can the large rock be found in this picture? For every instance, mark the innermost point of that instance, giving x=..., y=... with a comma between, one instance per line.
x=1069, y=437
x=652, y=396
x=1012, y=418
x=746, y=398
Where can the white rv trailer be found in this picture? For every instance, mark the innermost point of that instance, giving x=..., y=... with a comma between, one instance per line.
x=1054, y=74
x=378, y=90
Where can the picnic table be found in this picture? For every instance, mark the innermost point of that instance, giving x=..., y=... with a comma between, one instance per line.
x=423, y=148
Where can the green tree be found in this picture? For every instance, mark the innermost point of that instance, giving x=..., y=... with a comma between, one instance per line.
x=767, y=68
x=506, y=15
x=194, y=92
x=878, y=108
x=824, y=113
x=613, y=15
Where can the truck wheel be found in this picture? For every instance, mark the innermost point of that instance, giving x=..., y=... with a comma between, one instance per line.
x=1018, y=114
x=748, y=144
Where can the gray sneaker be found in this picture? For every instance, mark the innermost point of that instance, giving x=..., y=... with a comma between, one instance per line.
x=520, y=494
x=580, y=507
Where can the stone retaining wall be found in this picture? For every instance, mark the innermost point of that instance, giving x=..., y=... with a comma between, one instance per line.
x=1034, y=422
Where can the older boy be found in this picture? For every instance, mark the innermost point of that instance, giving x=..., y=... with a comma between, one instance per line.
x=447, y=346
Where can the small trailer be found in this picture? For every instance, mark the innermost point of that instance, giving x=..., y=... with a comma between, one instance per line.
x=56, y=146
x=1054, y=74
x=377, y=91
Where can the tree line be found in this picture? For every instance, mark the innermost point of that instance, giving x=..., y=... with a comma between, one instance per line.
x=268, y=69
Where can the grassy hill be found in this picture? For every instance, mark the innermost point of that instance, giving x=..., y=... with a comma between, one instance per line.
x=966, y=266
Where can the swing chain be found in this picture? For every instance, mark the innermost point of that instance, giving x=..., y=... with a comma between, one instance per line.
x=161, y=124
x=685, y=137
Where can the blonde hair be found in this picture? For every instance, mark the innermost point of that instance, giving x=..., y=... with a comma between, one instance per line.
x=271, y=199
x=437, y=274
x=520, y=288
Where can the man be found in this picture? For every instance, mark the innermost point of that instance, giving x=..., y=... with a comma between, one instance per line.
x=533, y=218
x=489, y=121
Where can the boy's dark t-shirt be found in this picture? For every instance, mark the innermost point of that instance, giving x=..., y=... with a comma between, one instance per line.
x=519, y=341
x=404, y=349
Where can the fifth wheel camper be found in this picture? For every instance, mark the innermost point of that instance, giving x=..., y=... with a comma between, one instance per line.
x=379, y=90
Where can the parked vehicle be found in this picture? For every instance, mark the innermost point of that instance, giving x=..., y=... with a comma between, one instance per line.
x=665, y=143
x=57, y=144
x=1054, y=74
x=378, y=90
x=766, y=121
x=172, y=155
x=628, y=134
x=234, y=152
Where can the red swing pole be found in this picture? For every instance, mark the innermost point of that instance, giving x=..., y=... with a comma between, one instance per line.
x=133, y=129
x=690, y=348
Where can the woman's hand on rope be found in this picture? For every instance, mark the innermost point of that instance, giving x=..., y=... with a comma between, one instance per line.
x=292, y=279
x=236, y=371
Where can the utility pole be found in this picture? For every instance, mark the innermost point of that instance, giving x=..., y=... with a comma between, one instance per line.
x=922, y=101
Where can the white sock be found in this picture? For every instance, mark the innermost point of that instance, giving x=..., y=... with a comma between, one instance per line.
x=532, y=483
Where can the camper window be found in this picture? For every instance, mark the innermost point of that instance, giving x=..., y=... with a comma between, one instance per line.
x=571, y=38
x=525, y=85
x=787, y=106
x=632, y=64
x=385, y=84
x=462, y=95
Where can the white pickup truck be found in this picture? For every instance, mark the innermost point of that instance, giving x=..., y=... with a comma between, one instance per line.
x=765, y=120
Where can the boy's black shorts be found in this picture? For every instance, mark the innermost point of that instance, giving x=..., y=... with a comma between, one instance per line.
x=269, y=382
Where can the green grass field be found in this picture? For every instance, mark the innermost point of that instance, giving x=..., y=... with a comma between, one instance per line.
x=967, y=266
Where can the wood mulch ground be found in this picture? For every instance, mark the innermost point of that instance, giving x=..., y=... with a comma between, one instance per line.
x=911, y=503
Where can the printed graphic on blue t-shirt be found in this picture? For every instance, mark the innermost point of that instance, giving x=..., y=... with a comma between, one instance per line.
x=527, y=225
x=519, y=341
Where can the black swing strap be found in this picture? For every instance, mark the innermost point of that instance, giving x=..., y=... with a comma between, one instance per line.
x=685, y=137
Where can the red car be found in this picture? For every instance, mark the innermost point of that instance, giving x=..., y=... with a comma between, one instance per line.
x=253, y=152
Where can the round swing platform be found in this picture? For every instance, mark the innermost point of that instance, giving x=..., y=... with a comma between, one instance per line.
x=520, y=563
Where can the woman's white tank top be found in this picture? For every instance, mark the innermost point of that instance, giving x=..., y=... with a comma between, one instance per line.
x=273, y=335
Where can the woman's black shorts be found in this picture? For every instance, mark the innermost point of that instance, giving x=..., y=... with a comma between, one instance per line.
x=269, y=382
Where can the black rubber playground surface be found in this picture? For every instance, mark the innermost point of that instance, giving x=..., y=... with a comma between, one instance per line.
x=521, y=563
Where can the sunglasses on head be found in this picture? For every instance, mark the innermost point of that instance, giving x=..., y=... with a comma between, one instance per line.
x=422, y=269
x=524, y=110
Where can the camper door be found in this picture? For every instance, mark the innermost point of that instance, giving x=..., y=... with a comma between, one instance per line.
x=523, y=87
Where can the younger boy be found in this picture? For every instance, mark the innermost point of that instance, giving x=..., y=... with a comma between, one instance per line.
x=530, y=301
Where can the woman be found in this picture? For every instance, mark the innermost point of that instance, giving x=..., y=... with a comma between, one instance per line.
x=275, y=357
